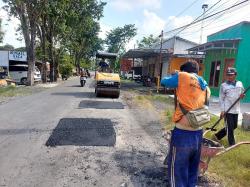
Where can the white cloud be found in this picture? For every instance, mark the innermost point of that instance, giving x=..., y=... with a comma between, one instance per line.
x=128, y=5
x=175, y=22
x=152, y=23
x=9, y=28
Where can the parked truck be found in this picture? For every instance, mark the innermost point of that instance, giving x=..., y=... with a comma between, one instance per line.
x=132, y=75
x=15, y=65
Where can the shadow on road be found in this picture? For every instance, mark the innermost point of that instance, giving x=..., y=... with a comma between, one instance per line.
x=83, y=132
x=74, y=86
x=101, y=104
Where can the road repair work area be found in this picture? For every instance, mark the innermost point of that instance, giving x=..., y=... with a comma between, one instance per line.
x=68, y=137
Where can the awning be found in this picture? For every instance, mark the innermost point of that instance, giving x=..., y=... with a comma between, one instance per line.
x=217, y=44
x=194, y=56
x=144, y=53
x=101, y=54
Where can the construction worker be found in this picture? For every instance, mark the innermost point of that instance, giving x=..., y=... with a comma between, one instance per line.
x=185, y=142
x=230, y=91
x=103, y=65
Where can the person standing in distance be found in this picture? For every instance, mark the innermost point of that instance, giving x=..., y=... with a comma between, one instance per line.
x=230, y=91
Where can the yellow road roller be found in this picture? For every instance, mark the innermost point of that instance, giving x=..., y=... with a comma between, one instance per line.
x=107, y=83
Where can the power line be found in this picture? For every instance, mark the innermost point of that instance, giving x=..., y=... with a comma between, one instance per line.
x=184, y=10
x=197, y=21
x=219, y=17
x=218, y=26
x=218, y=20
x=202, y=15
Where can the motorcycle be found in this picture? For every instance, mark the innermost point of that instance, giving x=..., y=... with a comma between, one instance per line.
x=147, y=81
x=83, y=80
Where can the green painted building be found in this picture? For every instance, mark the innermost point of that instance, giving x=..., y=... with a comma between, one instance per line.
x=227, y=48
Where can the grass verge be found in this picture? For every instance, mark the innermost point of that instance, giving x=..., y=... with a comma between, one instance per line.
x=231, y=168
x=12, y=91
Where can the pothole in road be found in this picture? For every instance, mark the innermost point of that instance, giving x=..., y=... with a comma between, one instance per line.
x=101, y=104
x=151, y=177
x=145, y=168
x=83, y=132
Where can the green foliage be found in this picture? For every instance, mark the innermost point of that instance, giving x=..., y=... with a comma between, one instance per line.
x=66, y=69
x=1, y=32
x=148, y=42
x=12, y=91
x=66, y=65
x=7, y=47
x=85, y=63
x=20, y=49
x=119, y=37
x=233, y=166
x=7, y=91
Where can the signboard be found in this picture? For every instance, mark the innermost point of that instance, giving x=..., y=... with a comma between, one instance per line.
x=18, y=56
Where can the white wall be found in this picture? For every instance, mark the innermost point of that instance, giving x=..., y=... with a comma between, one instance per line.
x=164, y=69
x=181, y=46
x=4, y=59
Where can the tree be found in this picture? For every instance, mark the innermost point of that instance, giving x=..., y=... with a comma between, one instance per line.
x=83, y=28
x=27, y=12
x=147, y=42
x=7, y=47
x=1, y=32
x=119, y=37
x=61, y=26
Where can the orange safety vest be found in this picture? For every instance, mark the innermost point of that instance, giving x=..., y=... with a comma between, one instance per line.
x=189, y=94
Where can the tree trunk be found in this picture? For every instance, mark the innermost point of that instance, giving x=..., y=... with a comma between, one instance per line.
x=43, y=41
x=51, y=53
x=29, y=37
x=31, y=53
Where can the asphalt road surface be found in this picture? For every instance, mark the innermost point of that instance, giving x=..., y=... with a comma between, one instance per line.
x=65, y=136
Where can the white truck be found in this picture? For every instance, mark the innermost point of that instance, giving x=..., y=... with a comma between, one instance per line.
x=132, y=76
x=15, y=65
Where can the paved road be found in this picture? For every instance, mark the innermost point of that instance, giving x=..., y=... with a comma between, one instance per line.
x=64, y=136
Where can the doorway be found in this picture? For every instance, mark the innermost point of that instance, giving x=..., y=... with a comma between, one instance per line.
x=229, y=62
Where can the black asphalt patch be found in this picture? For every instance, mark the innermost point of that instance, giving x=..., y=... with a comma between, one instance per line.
x=83, y=132
x=101, y=104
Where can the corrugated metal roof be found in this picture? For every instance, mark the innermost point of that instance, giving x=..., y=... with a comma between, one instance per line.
x=217, y=44
x=102, y=54
x=144, y=53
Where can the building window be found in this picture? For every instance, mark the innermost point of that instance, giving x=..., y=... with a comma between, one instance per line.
x=214, y=74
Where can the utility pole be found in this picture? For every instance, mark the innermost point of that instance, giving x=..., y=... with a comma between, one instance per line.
x=160, y=61
x=204, y=6
x=161, y=36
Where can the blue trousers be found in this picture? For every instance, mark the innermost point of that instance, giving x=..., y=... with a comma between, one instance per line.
x=184, y=157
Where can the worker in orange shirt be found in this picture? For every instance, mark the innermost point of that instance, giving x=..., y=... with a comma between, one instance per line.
x=185, y=143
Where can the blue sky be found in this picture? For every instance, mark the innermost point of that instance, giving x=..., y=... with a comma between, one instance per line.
x=152, y=16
